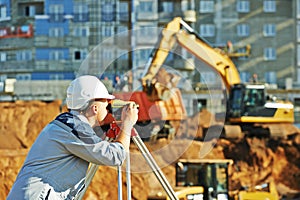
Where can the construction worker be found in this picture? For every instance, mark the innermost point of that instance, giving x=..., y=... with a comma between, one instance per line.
x=56, y=165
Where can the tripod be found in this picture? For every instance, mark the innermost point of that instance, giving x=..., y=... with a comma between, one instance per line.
x=151, y=162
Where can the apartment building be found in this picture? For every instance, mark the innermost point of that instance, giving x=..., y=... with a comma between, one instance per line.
x=49, y=39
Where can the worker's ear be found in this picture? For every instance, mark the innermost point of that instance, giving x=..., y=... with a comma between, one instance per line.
x=94, y=108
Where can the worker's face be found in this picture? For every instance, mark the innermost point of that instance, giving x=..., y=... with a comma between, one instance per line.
x=101, y=109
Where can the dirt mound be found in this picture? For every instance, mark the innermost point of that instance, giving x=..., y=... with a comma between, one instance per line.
x=263, y=160
x=255, y=160
x=20, y=122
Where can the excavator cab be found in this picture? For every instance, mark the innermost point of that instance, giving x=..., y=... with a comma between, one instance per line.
x=211, y=174
x=248, y=103
x=255, y=112
x=246, y=100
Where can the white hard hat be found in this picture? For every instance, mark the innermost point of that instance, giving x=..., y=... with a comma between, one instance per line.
x=83, y=89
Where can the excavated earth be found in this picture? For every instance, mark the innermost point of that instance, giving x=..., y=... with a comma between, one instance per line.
x=256, y=160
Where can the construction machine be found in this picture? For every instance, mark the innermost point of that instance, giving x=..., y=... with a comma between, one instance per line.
x=208, y=179
x=250, y=110
x=157, y=119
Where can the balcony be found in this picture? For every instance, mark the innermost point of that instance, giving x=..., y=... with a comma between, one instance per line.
x=81, y=17
x=17, y=66
x=56, y=17
x=56, y=41
x=30, y=1
x=66, y=41
x=25, y=31
x=147, y=16
x=76, y=41
x=55, y=65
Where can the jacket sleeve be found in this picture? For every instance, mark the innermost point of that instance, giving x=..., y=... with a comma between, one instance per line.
x=101, y=153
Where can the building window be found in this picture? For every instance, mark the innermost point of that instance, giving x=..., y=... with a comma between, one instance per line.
x=56, y=9
x=166, y=7
x=184, y=5
x=207, y=30
x=269, y=6
x=108, y=54
x=80, y=12
x=80, y=54
x=146, y=6
x=81, y=32
x=298, y=32
x=56, y=12
x=56, y=55
x=187, y=5
x=298, y=8
x=56, y=32
x=56, y=77
x=23, y=55
x=107, y=31
x=29, y=11
x=269, y=30
x=271, y=77
x=298, y=55
x=3, y=12
x=269, y=53
x=3, y=57
x=108, y=12
x=23, y=77
x=243, y=30
x=206, y=7
x=243, y=6
x=123, y=11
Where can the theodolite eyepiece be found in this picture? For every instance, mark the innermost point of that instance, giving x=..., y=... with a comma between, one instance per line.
x=118, y=103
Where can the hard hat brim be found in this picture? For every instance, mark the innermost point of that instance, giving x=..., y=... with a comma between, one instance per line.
x=109, y=96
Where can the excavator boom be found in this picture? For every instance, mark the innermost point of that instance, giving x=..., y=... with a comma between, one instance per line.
x=173, y=34
x=215, y=58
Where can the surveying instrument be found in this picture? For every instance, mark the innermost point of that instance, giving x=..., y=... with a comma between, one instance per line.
x=110, y=136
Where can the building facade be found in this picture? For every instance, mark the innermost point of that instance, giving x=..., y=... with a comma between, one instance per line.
x=49, y=39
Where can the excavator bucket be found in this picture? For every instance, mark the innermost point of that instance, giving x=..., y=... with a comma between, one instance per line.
x=156, y=92
x=233, y=132
x=161, y=86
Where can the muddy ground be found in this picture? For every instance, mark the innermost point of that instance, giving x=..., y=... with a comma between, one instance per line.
x=256, y=160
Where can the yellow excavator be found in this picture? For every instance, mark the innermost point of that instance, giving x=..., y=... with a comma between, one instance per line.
x=250, y=110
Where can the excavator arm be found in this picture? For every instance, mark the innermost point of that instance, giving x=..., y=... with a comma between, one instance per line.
x=179, y=32
x=215, y=58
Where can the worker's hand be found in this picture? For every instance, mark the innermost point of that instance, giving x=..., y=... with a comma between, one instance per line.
x=129, y=117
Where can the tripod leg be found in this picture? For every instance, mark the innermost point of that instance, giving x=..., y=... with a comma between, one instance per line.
x=90, y=175
x=119, y=183
x=128, y=177
x=150, y=160
x=155, y=168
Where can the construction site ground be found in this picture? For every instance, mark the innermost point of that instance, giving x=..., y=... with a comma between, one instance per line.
x=256, y=160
